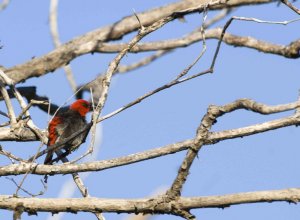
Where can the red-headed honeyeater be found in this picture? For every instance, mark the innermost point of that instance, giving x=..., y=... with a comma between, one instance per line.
x=64, y=124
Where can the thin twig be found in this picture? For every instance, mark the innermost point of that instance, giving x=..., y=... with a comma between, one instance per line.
x=217, y=18
x=23, y=105
x=10, y=155
x=10, y=109
x=266, y=22
x=141, y=98
x=83, y=190
x=202, y=31
x=141, y=34
x=142, y=62
x=55, y=37
x=31, y=103
x=137, y=17
x=176, y=81
x=19, y=186
x=26, y=191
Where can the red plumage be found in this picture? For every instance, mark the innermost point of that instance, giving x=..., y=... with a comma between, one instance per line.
x=64, y=124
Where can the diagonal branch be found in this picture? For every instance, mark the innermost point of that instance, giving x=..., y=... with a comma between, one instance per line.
x=10, y=109
x=291, y=6
x=214, y=112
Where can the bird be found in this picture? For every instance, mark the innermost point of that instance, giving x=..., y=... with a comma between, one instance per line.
x=65, y=123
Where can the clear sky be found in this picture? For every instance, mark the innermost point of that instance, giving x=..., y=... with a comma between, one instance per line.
x=262, y=162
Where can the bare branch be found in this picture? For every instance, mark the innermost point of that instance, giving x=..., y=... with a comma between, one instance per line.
x=295, y=48
x=22, y=103
x=10, y=109
x=265, y=22
x=202, y=31
x=95, y=85
x=86, y=44
x=207, y=121
x=143, y=62
x=23, y=129
x=97, y=165
x=202, y=136
x=10, y=155
x=26, y=191
x=80, y=185
x=291, y=6
x=143, y=97
x=29, y=92
x=289, y=51
x=33, y=205
x=217, y=18
x=176, y=81
x=213, y=137
x=19, y=186
x=31, y=103
x=21, y=134
x=55, y=36
x=141, y=34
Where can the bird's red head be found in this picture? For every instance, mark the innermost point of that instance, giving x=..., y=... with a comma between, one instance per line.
x=81, y=106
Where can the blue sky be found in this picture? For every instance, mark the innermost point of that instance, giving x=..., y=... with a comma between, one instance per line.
x=262, y=162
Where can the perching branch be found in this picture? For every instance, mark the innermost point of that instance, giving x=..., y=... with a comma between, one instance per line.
x=213, y=137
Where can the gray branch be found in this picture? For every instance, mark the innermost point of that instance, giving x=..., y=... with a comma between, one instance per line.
x=155, y=205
